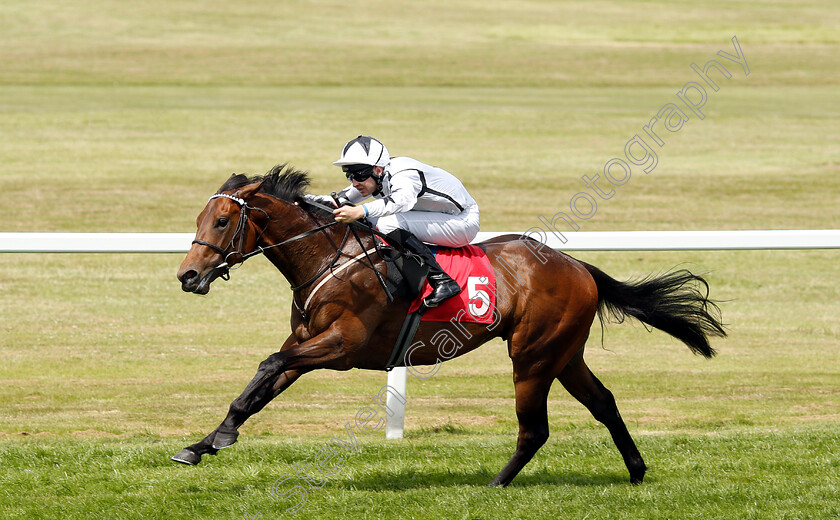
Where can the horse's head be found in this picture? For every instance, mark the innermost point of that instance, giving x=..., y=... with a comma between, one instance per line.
x=249, y=216
x=226, y=232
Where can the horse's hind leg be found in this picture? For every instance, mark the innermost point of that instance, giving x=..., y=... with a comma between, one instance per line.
x=531, y=410
x=586, y=388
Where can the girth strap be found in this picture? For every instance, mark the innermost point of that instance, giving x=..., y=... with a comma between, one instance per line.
x=404, y=338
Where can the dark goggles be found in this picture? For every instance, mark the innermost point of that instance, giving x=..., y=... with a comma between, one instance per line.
x=357, y=172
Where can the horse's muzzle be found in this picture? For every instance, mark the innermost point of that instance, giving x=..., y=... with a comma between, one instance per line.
x=192, y=282
x=189, y=280
x=196, y=275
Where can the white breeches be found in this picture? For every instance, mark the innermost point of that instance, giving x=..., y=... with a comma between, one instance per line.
x=439, y=229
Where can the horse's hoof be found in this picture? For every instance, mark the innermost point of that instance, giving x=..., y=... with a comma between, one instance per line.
x=637, y=474
x=637, y=479
x=187, y=456
x=224, y=440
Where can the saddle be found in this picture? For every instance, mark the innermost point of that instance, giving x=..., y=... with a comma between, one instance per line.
x=406, y=274
x=470, y=267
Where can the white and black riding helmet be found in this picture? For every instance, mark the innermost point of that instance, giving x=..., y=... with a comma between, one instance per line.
x=359, y=157
x=364, y=150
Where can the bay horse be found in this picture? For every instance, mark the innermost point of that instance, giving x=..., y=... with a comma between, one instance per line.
x=350, y=322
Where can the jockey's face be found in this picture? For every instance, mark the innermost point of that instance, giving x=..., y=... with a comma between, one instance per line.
x=367, y=186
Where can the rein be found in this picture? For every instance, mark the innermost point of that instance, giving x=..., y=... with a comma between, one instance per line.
x=332, y=266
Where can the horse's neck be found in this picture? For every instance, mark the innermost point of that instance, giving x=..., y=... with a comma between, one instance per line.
x=302, y=259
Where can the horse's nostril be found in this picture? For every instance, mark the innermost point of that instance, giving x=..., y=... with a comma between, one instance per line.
x=188, y=276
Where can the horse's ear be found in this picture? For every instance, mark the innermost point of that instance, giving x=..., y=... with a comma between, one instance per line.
x=246, y=191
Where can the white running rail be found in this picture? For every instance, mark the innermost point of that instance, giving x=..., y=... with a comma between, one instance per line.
x=575, y=241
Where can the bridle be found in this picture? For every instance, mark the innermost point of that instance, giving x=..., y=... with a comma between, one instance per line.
x=239, y=233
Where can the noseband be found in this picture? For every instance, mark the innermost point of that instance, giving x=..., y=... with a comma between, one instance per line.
x=239, y=232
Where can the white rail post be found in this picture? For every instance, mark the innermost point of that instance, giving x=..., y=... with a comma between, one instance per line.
x=395, y=424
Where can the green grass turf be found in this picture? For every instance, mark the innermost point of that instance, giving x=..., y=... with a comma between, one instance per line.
x=125, y=117
x=111, y=370
x=754, y=473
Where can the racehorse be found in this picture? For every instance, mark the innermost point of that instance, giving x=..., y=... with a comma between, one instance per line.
x=350, y=322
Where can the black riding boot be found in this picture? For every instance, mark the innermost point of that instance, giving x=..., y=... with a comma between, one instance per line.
x=443, y=286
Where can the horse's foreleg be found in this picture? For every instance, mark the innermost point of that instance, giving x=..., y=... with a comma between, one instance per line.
x=586, y=388
x=263, y=388
x=270, y=380
x=274, y=375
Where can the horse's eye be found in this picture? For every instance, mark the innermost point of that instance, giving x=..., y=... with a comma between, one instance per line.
x=222, y=222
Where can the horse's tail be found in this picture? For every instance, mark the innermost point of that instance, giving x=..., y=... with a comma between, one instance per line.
x=676, y=302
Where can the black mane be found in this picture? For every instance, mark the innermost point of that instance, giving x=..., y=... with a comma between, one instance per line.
x=281, y=182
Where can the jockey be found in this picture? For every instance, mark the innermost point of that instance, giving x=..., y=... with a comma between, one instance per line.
x=428, y=202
